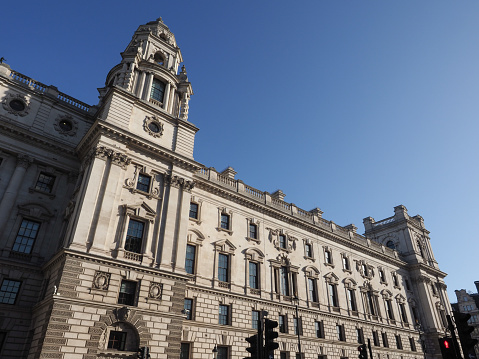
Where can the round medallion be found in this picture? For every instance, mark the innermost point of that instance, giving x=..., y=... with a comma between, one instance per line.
x=17, y=105
x=154, y=127
x=65, y=125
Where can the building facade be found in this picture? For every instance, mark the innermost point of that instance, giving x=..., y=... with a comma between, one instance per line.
x=113, y=237
x=468, y=302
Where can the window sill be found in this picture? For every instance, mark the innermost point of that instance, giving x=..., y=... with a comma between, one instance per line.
x=255, y=291
x=347, y=271
x=49, y=194
x=336, y=309
x=219, y=229
x=309, y=258
x=286, y=250
x=226, y=285
x=249, y=239
x=196, y=220
x=329, y=264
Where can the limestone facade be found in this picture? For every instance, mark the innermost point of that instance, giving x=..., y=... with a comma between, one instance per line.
x=114, y=237
x=468, y=302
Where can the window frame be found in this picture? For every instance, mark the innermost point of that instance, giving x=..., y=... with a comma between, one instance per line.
x=282, y=323
x=224, y=271
x=254, y=277
x=191, y=260
x=188, y=354
x=341, y=335
x=128, y=299
x=49, y=186
x=255, y=319
x=154, y=90
x=319, y=329
x=142, y=238
x=33, y=239
x=188, y=311
x=139, y=182
x=224, y=318
x=7, y=294
x=122, y=341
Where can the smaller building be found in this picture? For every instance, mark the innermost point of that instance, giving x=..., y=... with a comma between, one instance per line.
x=468, y=302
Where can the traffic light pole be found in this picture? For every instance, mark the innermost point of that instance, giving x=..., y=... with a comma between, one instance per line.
x=369, y=348
x=452, y=329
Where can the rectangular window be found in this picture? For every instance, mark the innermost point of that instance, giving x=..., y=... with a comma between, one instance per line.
x=297, y=326
x=45, y=183
x=117, y=340
x=284, y=280
x=255, y=319
x=371, y=303
x=188, y=307
x=222, y=353
x=352, y=300
x=402, y=309
x=385, y=339
x=340, y=332
x=225, y=221
x=194, y=210
x=253, y=231
x=308, y=250
x=282, y=241
x=224, y=314
x=9, y=291
x=26, y=236
x=127, y=293
x=346, y=263
x=282, y=323
x=143, y=183
x=375, y=338
x=157, y=90
x=319, y=328
x=283, y=355
x=328, y=257
x=389, y=309
x=190, y=259
x=412, y=343
x=253, y=275
x=312, y=290
x=185, y=351
x=333, y=297
x=134, y=236
x=360, y=335
x=398, y=342
x=223, y=267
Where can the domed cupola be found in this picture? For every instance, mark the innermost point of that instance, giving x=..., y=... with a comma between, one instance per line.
x=149, y=70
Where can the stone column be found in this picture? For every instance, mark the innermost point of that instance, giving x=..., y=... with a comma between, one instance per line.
x=89, y=197
x=166, y=97
x=10, y=195
x=179, y=254
x=140, y=84
x=147, y=87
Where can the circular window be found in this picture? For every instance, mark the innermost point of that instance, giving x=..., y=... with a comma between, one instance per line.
x=17, y=105
x=154, y=127
x=65, y=125
x=390, y=244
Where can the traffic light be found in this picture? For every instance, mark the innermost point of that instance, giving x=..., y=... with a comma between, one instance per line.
x=447, y=348
x=143, y=353
x=269, y=336
x=363, y=352
x=464, y=330
x=255, y=347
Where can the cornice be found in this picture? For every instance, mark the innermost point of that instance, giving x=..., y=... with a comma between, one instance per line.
x=429, y=270
x=245, y=201
x=24, y=135
x=111, y=131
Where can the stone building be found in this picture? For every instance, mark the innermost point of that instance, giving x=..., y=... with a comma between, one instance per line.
x=468, y=302
x=113, y=237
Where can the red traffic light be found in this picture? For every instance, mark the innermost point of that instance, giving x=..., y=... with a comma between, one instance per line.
x=446, y=344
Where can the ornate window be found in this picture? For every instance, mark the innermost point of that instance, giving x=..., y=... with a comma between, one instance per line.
x=312, y=275
x=195, y=209
x=308, y=250
x=282, y=241
x=284, y=276
x=157, y=91
x=225, y=251
x=253, y=231
x=253, y=275
x=224, y=220
x=254, y=258
x=134, y=236
x=143, y=183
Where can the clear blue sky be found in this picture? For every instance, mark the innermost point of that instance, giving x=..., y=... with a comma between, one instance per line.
x=351, y=106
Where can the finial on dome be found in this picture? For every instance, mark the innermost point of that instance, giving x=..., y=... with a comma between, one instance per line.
x=182, y=76
x=159, y=19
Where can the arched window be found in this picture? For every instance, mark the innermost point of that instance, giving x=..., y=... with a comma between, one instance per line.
x=157, y=90
x=390, y=244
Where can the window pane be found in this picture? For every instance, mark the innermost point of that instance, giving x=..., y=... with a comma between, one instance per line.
x=223, y=260
x=157, y=90
x=255, y=319
x=282, y=324
x=190, y=259
x=312, y=290
x=253, y=231
x=253, y=275
x=194, y=210
x=26, y=236
x=282, y=241
x=117, y=340
x=224, y=315
x=9, y=291
x=143, y=183
x=222, y=353
x=134, y=236
x=127, y=293
x=284, y=280
x=45, y=183
x=188, y=306
x=225, y=221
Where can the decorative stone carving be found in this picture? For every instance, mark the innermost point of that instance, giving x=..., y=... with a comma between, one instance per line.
x=153, y=126
x=155, y=291
x=122, y=314
x=16, y=104
x=188, y=186
x=101, y=280
x=120, y=159
x=24, y=161
x=66, y=125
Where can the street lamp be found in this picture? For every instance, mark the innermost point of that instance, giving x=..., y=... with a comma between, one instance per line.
x=296, y=303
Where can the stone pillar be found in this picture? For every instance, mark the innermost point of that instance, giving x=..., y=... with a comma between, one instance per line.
x=10, y=195
x=147, y=88
x=166, y=97
x=180, y=242
x=140, y=84
x=88, y=198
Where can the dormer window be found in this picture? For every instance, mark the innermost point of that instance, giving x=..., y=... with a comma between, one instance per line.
x=157, y=91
